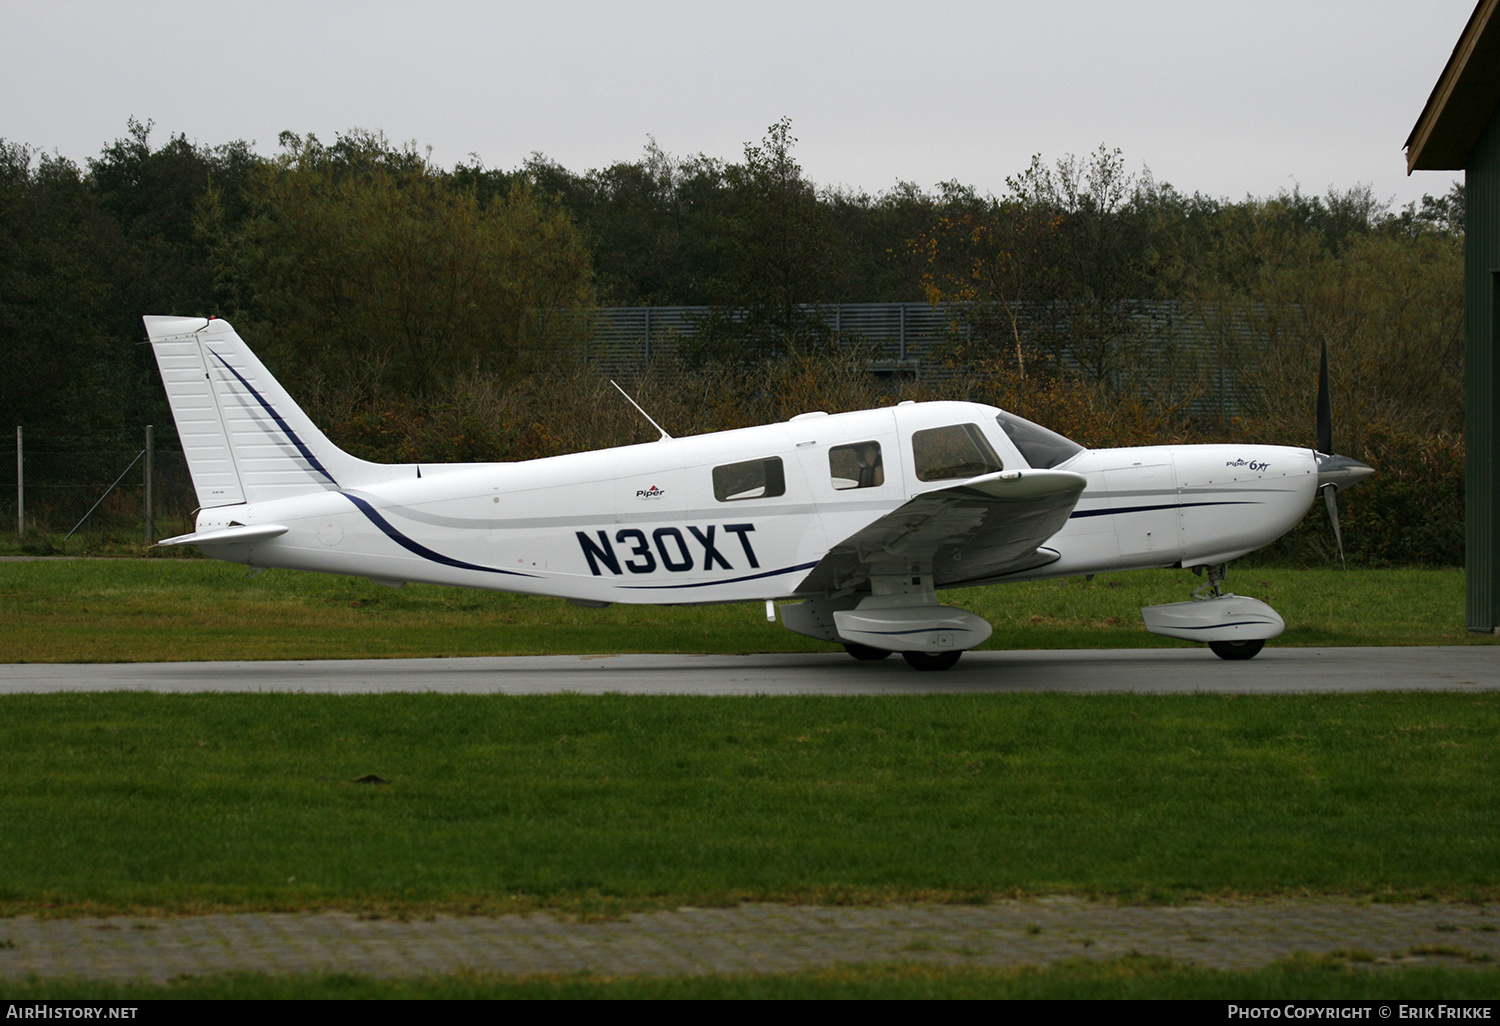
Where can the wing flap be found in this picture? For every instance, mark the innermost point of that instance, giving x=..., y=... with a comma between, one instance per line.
x=985, y=527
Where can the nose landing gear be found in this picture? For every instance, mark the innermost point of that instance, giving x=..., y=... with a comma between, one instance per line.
x=1234, y=627
x=1237, y=649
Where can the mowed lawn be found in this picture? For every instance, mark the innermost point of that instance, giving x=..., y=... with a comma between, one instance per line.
x=139, y=801
x=121, y=610
x=602, y=805
x=586, y=804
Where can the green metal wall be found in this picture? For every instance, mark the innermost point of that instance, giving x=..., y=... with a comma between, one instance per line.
x=1482, y=380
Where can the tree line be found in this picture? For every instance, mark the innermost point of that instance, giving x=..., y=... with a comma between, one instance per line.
x=399, y=298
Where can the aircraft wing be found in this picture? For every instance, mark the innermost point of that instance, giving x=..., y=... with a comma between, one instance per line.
x=984, y=528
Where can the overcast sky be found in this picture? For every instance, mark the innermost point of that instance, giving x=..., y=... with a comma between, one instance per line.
x=1227, y=99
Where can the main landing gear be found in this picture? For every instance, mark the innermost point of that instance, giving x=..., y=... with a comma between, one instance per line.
x=916, y=660
x=900, y=613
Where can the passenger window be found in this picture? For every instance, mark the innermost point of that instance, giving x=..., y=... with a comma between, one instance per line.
x=753, y=479
x=957, y=451
x=856, y=466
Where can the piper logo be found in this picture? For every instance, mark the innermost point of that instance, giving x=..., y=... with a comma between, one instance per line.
x=1252, y=464
x=649, y=493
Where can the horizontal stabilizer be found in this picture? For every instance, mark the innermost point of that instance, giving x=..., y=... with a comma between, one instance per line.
x=229, y=535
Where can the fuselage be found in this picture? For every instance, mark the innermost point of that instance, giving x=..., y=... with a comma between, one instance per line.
x=746, y=514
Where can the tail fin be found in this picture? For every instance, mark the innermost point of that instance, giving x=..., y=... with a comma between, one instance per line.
x=244, y=438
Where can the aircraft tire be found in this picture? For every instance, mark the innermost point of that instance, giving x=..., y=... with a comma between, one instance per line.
x=927, y=661
x=1237, y=649
x=862, y=652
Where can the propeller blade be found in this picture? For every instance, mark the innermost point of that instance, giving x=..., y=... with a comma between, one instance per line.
x=1325, y=406
x=1329, y=492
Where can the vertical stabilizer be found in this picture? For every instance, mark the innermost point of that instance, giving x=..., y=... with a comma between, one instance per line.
x=244, y=438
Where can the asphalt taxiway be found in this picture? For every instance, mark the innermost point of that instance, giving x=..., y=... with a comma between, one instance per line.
x=1143, y=671
x=766, y=938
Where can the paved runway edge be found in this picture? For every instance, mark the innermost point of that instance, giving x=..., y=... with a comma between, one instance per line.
x=1143, y=671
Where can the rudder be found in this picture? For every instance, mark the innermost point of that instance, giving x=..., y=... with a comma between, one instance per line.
x=244, y=437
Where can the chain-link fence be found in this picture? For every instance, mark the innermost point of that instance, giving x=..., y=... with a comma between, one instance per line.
x=95, y=486
x=1206, y=358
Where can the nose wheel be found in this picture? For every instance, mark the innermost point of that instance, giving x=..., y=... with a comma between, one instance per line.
x=1227, y=649
x=1236, y=649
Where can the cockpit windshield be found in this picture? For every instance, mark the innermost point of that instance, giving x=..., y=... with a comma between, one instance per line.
x=1043, y=449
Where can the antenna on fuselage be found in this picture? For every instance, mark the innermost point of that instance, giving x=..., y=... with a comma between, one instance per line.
x=664, y=436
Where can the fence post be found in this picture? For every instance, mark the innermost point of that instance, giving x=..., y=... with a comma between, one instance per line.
x=20, y=487
x=150, y=463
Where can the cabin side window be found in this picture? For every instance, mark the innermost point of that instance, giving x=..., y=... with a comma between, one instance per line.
x=955, y=451
x=753, y=479
x=856, y=466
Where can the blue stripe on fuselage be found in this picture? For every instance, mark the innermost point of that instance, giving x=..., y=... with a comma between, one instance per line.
x=727, y=580
x=416, y=547
x=291, y=435
x=1079, y=513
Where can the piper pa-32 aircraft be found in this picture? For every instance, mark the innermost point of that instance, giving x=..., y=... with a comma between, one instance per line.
x=861, y=517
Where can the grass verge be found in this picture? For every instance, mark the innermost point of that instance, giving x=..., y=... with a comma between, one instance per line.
x=600, y=805
x=154, y=610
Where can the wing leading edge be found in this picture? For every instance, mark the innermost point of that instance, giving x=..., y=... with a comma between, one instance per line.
x=987, y=527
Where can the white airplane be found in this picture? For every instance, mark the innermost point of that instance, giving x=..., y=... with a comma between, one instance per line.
x=862, y=517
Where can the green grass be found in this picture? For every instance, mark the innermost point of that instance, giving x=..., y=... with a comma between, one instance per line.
x=1327, y=978
x=162, y=609
x=130, y=802
x=150, y=804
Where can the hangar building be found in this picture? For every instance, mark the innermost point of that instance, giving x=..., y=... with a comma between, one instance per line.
x=1460, y=129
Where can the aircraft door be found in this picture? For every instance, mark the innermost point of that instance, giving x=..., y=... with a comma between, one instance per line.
x=852, y=469
x=848, y=463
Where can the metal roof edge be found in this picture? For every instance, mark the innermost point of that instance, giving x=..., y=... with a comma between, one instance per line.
x=1461, y=77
